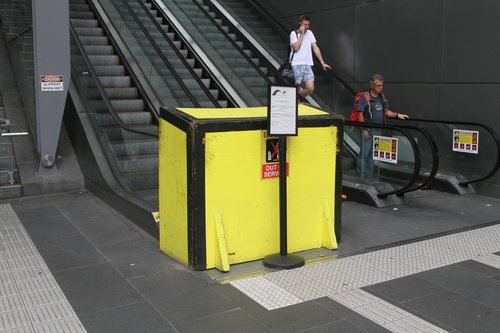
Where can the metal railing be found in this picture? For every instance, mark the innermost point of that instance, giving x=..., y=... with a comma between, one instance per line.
x=233, y=42
x=416, y=153
x=161, y=55
x=178, y=53
x=493, y=134
x=101, y=90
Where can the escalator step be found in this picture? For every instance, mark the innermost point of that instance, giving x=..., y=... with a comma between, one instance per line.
x=128, y=118
x=80, y=23
x=89, y=31
x=104, y=60
x=146, y=146
x=99, y=50
x=82, y=15
x=115, y=81
x=94, y=40
x=128, y=105
x=118, y=70
x=122, y=93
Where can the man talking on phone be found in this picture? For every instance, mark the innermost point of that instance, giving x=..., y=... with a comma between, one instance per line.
x=303, y=44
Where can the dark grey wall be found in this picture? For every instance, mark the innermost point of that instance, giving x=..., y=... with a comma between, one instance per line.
x=439, y=57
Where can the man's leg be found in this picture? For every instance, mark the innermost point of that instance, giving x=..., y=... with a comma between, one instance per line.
x=309, y=88
x=364, y=164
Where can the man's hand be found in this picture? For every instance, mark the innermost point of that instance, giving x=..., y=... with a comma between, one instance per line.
x=325, y=66
x=402, y=116
x=366, y=133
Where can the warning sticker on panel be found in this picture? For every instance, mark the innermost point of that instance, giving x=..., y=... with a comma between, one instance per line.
x=52, y=83
x=385, y=149
x=272, y=170
x=465, y=141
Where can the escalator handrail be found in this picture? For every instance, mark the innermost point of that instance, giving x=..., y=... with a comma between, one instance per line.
x=101, y=90
x=126, y=63
x=179, y=54
x=413, y=144
x=236, y=46
x=25, y=30
x=435, y=159
x=285, y=34
x=488, y=129
x=252, y=47
x=162, y=56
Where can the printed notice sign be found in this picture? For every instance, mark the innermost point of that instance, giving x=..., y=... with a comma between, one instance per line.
x=282, y=110
x=272, y=170
x=466, y=141
x=52, y=83
x=385, y=149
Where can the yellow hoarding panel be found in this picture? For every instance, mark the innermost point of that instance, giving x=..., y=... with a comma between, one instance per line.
x=249, y=203
x=173, y=192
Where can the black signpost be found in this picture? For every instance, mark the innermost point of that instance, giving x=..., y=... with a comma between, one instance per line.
x=282, y=122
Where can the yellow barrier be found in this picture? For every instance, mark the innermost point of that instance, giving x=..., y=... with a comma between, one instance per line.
x=219, y=201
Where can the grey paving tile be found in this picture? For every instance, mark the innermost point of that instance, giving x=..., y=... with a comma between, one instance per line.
x=352, y=317
x=134, y=318
x=403, y=289
x=81, y=198
x=181, y=297
x=136, y=257
x=465, y=282
x=82, y=212
x=287, y=319
x=96, y=288
x=456, y=311
x=342, y=326
x=33, y=208
x=107, y=230
x=480, y=268
x=49, y=228
x=227, y=322
x=70, y=252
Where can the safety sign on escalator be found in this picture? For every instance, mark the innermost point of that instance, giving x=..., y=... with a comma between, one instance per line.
x=466, y=141
x=385, y=149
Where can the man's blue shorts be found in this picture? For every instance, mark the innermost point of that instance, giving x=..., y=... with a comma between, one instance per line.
x=302, y=73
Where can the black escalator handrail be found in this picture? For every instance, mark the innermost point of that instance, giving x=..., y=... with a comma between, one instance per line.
x=162, y=56
x=285, y=33
x=199, y=59
x=435, y=159
x=101, y=90
x=236, y=46
x=416, y=153
x=488, y=129
x=20, y=34
x=253, y=48
x=125, y=62
x=179, y=54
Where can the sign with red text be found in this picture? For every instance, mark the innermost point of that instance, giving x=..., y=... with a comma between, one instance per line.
x=272, y=170
x=385, y=149
x=465, y=141
x=52, y=83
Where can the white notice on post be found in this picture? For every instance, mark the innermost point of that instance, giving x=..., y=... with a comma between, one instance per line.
x=282, y=110
x=52, y=83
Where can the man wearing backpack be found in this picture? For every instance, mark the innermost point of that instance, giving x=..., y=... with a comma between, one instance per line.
x=372, y=107
x=303, y=44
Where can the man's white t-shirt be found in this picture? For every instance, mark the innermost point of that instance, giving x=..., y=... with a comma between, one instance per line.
x=304, y=55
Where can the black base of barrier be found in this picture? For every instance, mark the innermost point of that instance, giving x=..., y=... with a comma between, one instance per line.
x=287, y=261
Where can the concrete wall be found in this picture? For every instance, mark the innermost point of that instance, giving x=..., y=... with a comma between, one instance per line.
x=439, y=57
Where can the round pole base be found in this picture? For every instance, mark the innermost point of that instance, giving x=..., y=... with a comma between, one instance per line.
x=287, y=261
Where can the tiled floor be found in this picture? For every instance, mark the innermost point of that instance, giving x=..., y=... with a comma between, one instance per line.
x=116, y=280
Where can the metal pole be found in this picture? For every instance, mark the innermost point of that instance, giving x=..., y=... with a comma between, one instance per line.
x=11, y=170
x=283, y=204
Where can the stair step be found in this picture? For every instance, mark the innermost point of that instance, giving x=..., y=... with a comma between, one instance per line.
x=122, y=93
